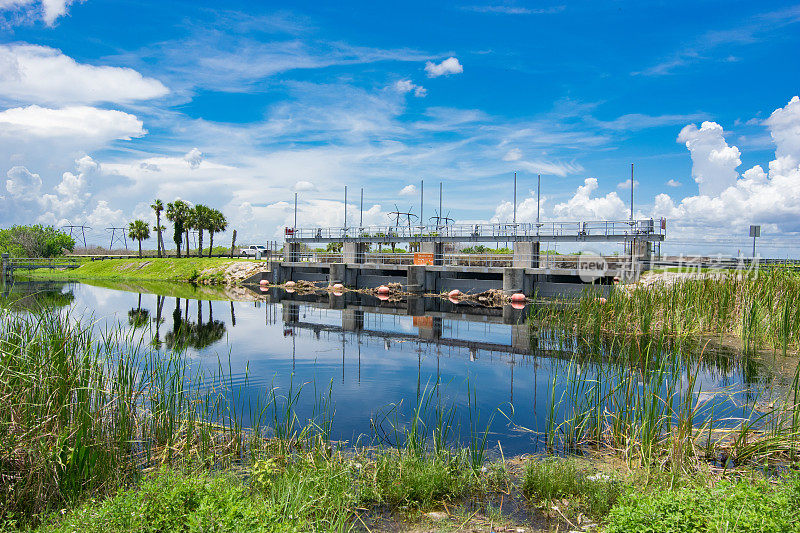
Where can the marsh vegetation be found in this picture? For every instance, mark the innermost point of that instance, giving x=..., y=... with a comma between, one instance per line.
x=105, y=432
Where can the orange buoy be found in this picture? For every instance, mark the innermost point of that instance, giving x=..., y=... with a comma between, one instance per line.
x=338, y=287
x=454, y=300
x=455, y=293
x=518, y=305
x=518, y=297
x=263, y=282
x=290, y=283
x=383, y=289
x=383, y=297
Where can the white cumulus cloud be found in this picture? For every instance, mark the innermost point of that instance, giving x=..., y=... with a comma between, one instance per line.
x=714, y=163
x=445, y=68
x=69, y=122
x=304, y=185
x=407, y=86
x=673, y=183
x=626, y=184
x=71, y=194
x=408, y=190
x=584, y=206
x=22, y=183
x=194, y=157
x=771, y=198
x=43, y=75
x=50, y=10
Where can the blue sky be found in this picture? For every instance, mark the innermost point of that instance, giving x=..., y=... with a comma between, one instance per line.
x=106, y=105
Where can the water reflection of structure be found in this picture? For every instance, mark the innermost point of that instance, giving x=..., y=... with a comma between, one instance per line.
x=363, y=319
x=35, y=295
x=435, y=320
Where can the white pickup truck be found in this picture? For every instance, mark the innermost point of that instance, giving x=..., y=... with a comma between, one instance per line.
x=253, y=250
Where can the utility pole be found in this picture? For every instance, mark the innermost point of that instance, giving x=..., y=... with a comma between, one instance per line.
x=345, y=207
x=440, y=205
x=538, y=197
x=631, y=192
x=295, y=211
x=515, y=199
x=361, y=213
x=421, y=204
x=76, y=227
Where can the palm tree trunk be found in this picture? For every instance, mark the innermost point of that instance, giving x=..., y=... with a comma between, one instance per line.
x=187, y=243
x=200, y=244
x=140, y=247
x=210, y=242
x=160, y=244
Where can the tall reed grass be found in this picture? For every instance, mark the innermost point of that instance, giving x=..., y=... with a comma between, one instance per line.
x=630, y=383
x=89, y=411
x=761, y=308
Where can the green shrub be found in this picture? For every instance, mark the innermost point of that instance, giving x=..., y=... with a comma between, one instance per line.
x=550, y=479
x=34, y=241
x=417, y=481
x=170, y=502
x=743, y=506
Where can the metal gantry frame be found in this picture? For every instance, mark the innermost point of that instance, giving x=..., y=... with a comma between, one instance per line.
x=585, y=231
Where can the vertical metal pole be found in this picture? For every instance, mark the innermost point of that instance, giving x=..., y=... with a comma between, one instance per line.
x=538, y=197
x=295, y=211
x=361, y=213
x=421, y=204
x=754, y=247
x=439, y=220
x=515, y=199
x=631, y=192
x=345, y=207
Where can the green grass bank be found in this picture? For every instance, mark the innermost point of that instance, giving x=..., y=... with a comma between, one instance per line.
x=201, y=270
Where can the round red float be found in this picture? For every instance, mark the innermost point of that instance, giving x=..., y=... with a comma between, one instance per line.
x=518, y=297
x=455, y=293
x=263, y=282
x=383, y=289
x=518, y=305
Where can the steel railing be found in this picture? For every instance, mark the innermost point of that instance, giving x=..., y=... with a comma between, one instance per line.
x=500, y=231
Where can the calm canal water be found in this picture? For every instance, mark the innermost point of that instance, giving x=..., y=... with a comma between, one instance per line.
x=372, y=354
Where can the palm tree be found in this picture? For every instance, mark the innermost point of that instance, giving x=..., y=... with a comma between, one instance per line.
x=218, y=224
x=160, y=229
x=139, y=230
x=202, y=221
x=178, y=214
x=158, y=207
x=190, y=223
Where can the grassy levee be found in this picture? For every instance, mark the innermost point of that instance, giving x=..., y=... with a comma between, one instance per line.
x=192, y=269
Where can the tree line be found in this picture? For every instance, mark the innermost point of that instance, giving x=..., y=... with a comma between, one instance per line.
x=184, y=218
x=34, y=241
